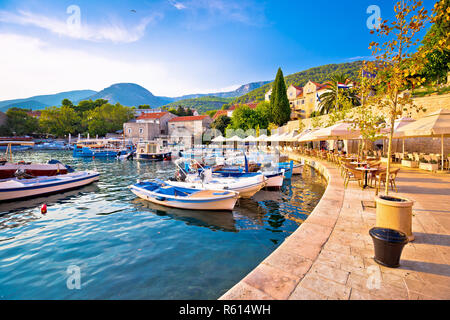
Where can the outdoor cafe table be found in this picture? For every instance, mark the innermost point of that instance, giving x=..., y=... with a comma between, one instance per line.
x=366, y=171
x=356, y=163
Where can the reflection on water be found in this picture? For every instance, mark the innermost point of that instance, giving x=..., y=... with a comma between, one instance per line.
x=128, y=248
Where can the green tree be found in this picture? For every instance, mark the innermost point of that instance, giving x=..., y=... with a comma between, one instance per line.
x=329, y=99
x=246, y=118
x=20, y=123
x=60, y=121
x=108, y=118
x=279, y=103
x=67, y=103
x=144, y=106
x=211, y=113
x=399, y=62
x=221, y=123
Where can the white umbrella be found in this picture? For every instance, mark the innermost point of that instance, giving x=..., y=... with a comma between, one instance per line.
x=436, y=124
x=273, y=137
x=235, y=138
x=250, y=139
x=219, y=139
x=341, y=130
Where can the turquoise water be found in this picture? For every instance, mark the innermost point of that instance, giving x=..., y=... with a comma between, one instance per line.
x=126, y=248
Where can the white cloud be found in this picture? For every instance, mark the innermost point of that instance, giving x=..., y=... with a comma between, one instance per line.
x=115, y=32
x=31, y=66
x=177, y=5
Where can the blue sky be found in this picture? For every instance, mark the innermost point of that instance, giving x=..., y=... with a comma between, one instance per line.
x=174, y=47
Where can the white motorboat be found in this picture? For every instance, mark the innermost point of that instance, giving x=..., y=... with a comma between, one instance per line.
x=185, y=198
x=246, y=187
x=15, y=189
x=274, y=178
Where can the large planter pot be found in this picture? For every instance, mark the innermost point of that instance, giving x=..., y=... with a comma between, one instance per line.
x=388, y=245
x=429, y=166
x=410, y=163
x=395, y=213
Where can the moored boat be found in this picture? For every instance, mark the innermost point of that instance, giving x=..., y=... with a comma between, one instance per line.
x=15, y=189
x=152, y=151
x=185, y=198
x=11, y=170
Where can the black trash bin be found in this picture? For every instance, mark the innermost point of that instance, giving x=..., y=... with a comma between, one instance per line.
x=388, y=245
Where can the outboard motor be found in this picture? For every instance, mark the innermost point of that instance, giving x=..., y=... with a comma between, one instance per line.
x=21, y=174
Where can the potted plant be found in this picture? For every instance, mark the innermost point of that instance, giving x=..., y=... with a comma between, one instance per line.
x=408, y=161
x=431, y=165
x=393, y=65
x=384, y=158
x=388, y=245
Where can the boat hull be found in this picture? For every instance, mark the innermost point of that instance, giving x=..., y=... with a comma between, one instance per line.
x=297, y=169
x=226, y=204
x=275, y=181
x=154, y=156
x=36, y=190
x=245, y=191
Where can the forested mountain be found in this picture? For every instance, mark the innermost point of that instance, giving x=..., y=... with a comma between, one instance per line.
x=318, y=74
x=201, y=104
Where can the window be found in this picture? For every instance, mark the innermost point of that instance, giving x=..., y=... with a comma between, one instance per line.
x=141, y=131
x=129, y=130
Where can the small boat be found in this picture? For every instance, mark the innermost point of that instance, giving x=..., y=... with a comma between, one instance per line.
x=274, y=178
x=101, y=148
x=28, y=169
x=15, y=189
x=185, y=198
x=296, y=167
x=152, y=151
x=245, y=186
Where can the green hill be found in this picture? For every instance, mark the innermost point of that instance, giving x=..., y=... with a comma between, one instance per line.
x=201, y=104
x=317, y=74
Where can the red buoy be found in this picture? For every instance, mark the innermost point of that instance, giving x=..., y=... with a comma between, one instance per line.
x=44, y=209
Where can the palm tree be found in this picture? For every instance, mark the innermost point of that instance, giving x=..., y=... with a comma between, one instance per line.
x=328, y=99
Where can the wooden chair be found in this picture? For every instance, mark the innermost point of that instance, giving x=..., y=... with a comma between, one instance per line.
x=381, y=178
x=351, y=174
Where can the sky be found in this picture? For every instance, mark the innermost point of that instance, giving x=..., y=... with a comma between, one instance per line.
x=175, y=47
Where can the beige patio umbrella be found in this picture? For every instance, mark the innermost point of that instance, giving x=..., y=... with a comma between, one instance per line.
x=261, y=138
x=436, y=124
x=219, y=139
x=341, y=130
x=308, y=136
x=397, y=125
x=273, y=137
x=235, y=138
x=250, y=139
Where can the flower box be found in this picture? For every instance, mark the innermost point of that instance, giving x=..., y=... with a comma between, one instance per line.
x=428, y=166
x=410, y=163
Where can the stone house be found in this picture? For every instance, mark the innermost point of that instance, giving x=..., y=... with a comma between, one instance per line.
x=148, y=126
x=190, y=128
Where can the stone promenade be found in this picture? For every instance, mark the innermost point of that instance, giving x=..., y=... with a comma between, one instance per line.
x=330, y=256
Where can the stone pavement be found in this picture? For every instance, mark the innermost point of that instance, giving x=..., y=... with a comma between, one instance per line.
x=330, y=256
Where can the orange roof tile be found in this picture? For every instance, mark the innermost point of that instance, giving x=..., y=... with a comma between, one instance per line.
x=188, y=118
x=152, y=115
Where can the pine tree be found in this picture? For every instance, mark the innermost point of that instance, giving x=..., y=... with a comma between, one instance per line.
x=279, y=103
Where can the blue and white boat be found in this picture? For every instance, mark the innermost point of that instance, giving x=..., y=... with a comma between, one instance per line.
x=101, y=148
x=185, y=198
x=15, y=189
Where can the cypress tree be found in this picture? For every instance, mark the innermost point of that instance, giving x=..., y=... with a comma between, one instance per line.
x=279, y=103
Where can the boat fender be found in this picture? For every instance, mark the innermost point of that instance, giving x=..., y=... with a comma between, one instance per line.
x=160, y=198
x=44, y=209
